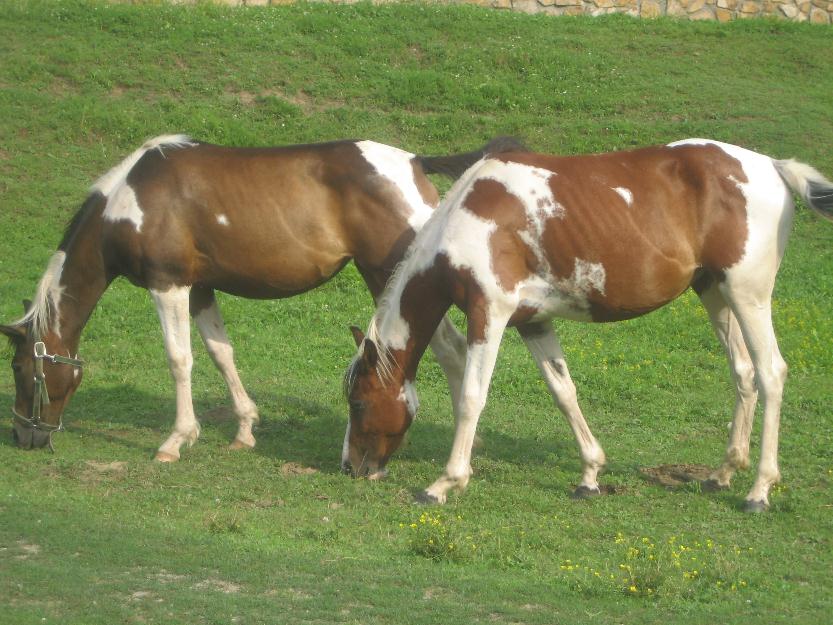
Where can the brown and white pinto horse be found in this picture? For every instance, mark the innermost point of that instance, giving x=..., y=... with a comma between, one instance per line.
x=182, y=219
x=522, y=238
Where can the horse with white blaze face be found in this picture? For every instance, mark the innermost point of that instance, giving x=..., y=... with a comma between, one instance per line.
x=182, y=218
x=523, y=237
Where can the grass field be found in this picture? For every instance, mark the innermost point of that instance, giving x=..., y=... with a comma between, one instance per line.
x=100, y=534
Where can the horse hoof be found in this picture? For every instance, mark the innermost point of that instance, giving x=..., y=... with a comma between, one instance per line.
x=712, y=486
x=164, y=456
x=585, y=492
x=755, y=507
x=424, y=498
x=238, y=444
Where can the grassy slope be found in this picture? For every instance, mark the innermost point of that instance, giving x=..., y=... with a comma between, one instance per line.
x=224, y=537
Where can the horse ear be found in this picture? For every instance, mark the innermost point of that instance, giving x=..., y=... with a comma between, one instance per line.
x=358, y=335
x=27, y=305
x=15, y=333
x=370, y=354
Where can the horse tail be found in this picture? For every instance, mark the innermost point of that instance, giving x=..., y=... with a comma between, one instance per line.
x=454, y=165
x=814, y=188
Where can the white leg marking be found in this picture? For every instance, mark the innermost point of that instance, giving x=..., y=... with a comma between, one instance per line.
x=172, y=306
x=625, y=193
x=743, y=373
x=213, y=333
x=546, y=350
x=754, y=314
x=480, y=364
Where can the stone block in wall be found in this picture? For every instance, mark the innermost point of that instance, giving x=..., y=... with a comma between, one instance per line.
x=695, y=5
x=789, y=10
x=750, y=8
x=526, y=6
x=651, y=8
x=818, y=16
x=675, y=8
x=723, y=15
x=567, y=3
x=728, y=4
x=705, y=13
x=603, y=4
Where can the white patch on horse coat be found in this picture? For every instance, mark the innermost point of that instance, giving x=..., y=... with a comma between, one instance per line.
x=527, y=183
x=47, y=299
x=625, y=193
x=118, y=174
x=123, y=205
x=396, y=165
x=408, y=395
x=222, y=220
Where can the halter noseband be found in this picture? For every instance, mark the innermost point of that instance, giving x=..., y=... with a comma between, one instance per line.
x=41, y=395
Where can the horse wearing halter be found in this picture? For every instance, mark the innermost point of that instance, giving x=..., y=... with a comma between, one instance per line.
x=40, y=397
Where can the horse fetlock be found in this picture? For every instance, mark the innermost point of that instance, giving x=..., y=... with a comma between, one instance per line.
x=738, y=458
x=166, y=456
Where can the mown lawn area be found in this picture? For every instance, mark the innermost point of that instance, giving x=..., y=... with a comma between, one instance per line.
x=99, y=533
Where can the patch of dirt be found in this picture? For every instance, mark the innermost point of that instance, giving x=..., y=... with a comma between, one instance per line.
x=218, y=585
x=676, y=475
x=119, y=466
x=26, y=550
x=293, y=468
x=301, y=99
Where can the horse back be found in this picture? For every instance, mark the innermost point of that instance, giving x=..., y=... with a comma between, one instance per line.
x=259, y=222
x=612, y=236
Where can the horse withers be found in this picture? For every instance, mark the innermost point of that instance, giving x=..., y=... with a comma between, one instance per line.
x=522, y=238
x=183, y=219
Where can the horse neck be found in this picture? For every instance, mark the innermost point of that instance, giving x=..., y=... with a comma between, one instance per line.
x=71, y=286
x=408, y=315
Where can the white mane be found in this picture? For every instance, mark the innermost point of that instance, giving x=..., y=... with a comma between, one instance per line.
x=386, y=327
x=47, y=298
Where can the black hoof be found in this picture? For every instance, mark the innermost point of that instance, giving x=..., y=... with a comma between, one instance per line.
x=755, y=506
x=712, y=486
x=424, y=498
x=585, y=492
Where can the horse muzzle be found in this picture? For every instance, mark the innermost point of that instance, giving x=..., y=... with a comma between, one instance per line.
x=27, y=437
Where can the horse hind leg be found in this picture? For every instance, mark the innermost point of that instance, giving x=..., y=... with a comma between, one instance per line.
x=543, y=344
x=210, y=324
x=172, y=306
x=754, y=315
x=728, y=332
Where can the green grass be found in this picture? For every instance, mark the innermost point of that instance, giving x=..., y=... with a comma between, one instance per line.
x=98, y=533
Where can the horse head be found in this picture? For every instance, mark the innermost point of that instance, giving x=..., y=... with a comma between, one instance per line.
x=381, y=411
x=44, y=382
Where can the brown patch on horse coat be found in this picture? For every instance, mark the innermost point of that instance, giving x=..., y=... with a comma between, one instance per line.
x=686, y=212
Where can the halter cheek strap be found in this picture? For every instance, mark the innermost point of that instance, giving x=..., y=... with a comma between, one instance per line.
x=41, y=395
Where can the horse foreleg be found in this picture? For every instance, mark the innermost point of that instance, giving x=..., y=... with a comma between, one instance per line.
x=729, y=334
x=172, y=306
x=542, y=343
x=209, y=322
x=480, y=363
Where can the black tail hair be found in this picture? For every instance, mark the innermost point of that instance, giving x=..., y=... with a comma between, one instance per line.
x=454, y=165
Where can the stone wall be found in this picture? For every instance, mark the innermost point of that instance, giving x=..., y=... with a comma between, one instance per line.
x=815, y=11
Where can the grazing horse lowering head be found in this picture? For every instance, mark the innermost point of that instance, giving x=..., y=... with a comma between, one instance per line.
x=44, y=380
x=379, y=420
